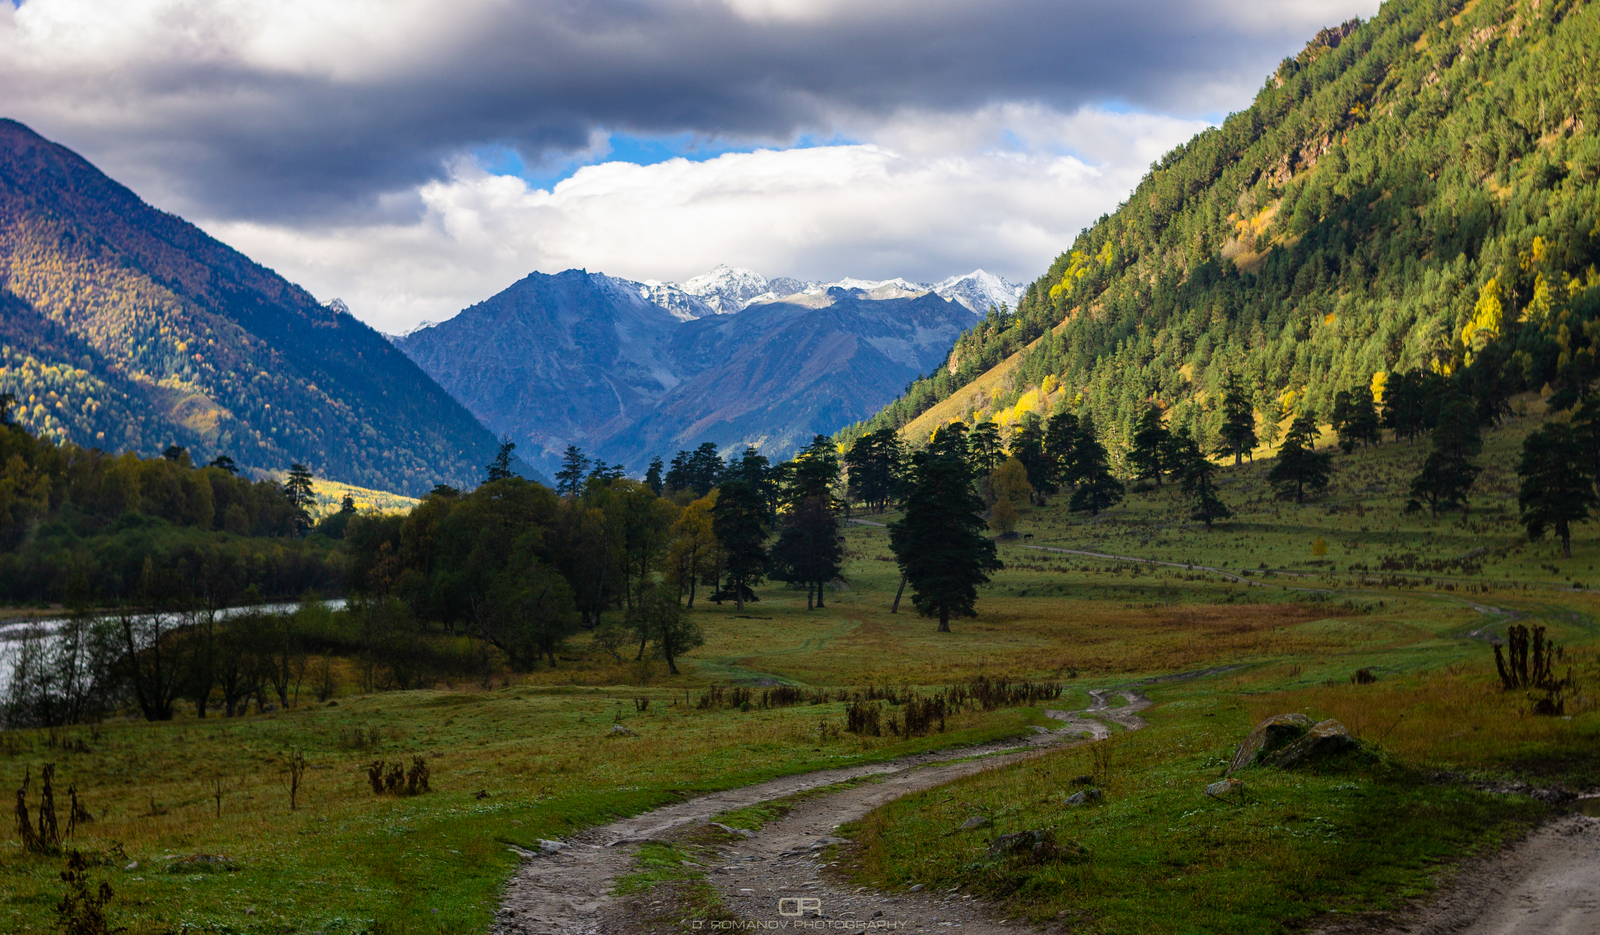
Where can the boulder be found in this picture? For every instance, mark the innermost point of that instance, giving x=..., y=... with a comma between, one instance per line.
x=975, y=822
x=617, y=730
x=1324, y=739
x=1270, y=735
x=1019, y=842
x=1085, y=797
x=1224, y=788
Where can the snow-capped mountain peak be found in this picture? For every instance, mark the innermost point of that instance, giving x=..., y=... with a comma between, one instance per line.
x=727, y=289
x=978, y=290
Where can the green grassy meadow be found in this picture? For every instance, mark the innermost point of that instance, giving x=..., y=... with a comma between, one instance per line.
x=530, y=757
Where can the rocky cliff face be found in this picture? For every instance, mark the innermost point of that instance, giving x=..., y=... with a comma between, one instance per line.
x=581, y=358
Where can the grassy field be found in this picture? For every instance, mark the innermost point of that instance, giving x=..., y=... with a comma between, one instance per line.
x=1344, y=583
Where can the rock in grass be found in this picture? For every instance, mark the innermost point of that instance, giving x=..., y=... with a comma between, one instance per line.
x=975, y=822
x=617, y=730
x=551, y=847
x=1324, y=739
x=1085, y=797
x=1224, y=788
x=1275, y=732
x=729, y=829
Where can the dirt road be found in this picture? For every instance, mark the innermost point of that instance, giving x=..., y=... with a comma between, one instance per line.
x=566, y=890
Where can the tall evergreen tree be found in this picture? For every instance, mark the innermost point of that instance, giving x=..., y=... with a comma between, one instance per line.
x=984, y=450
x=874, y=463
x=500, y=467
x=1556, y=488
x=1151, y=442
x=808, y=551
x=1238, y=419
x=1411, y=402
x=1059, y=434
x=814, y=472
x=1355, y=418
x=739, y=521
x=574, y=468
x=653, y=478
x=1027, y=446
x=1200, y=484
x=949, y=441
x=297, y=488
x=1448, y=473
x=1299, y=464
x=939, y=545
x=704, y=469
x=1586, y=428
x=1095, y=489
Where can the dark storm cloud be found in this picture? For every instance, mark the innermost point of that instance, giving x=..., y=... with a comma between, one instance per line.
x=248, y=141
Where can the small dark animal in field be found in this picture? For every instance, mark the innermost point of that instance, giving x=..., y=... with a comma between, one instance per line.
x=1363, y=677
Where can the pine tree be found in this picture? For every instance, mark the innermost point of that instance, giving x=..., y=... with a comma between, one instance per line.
x=652, y=476
x=297, y=488
x=949, y=441
x=1198, y=483
x=1299, y=464
x=225, y=463
x=1355, y=418
x=574, y=467
x=1027, y=446
x=1557, y=488
x=808, y=551
x=874, y=463
x=1059, y=435
x=1151, y=442
x=984, y=450
x=347, y=505
x=939, y=545
x=1448, y=473
x=500, y=467
x=814, y=472
x=1238, y=419
x=704, y=469
x=739, y=521
x=1095, y=489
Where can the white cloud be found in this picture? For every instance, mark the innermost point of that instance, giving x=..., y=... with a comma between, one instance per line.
x=937, y=195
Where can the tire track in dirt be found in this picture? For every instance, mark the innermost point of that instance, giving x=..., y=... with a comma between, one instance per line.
x=565, y=888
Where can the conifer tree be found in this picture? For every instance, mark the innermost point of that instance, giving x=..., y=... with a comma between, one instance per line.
x=874, y=464
x=1238, y=419
x=500, y=467
x=1027, y=446
x=984, y=450
x=297, y=488
x=574, y=467
x=1095, y=489
x=1448, y=473
x=939, y=546
x=652, y=476
x=949, y=441
x=808, y=551
x=1199, y=483
x=1059, y=435
x=1556, y=488
x=1151, y=442
x=1299, y=464
x=1355, y=418
x=739, y=521
x=813, y=472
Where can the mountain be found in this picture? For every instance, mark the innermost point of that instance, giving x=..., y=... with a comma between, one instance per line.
x=125, y=327
x=978, y=290
x=1416, y=192
x=583, y=358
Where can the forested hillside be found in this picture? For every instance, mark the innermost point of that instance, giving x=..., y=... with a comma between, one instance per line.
x=1417, y=192
x=123, y=327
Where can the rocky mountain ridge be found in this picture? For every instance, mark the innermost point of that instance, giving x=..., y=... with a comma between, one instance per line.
x=629, y=371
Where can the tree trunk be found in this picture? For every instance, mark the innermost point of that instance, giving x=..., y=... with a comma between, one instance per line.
x=896, y=607
x=808, y=596
x=944, y=620
x=738, y=594
x=819, y=594
x=1565, y=532
x=692, y=579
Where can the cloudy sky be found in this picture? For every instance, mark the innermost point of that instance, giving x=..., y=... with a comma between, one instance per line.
x=413, y=157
